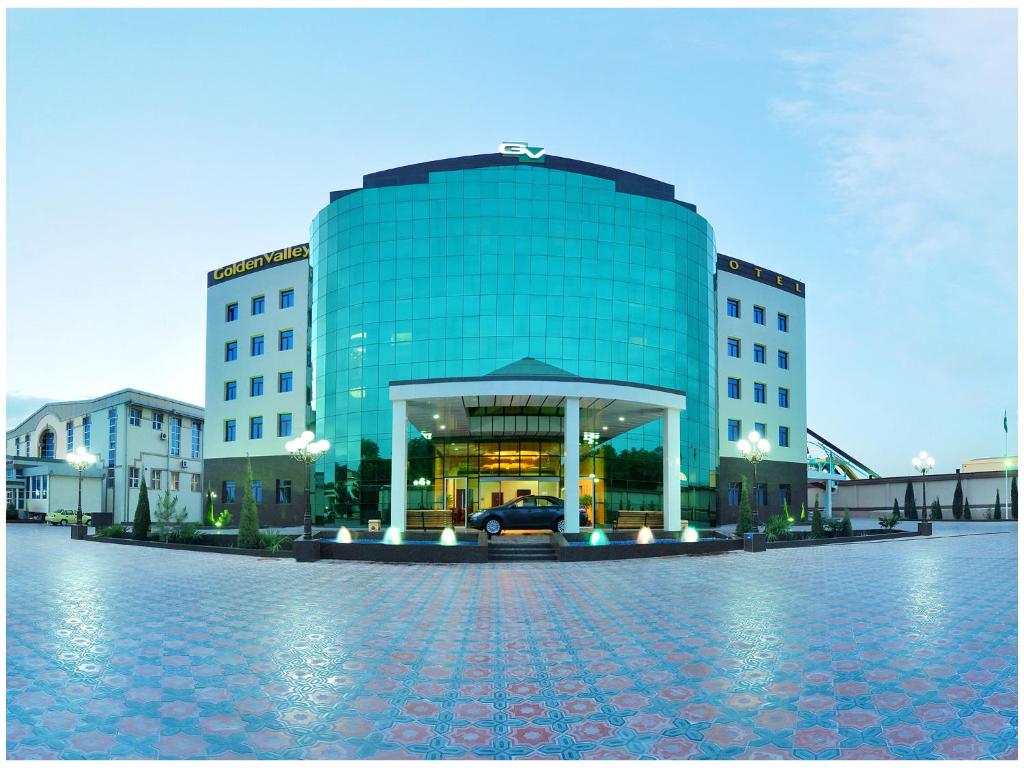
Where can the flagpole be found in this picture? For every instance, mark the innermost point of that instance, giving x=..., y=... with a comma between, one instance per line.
x=1006, y=466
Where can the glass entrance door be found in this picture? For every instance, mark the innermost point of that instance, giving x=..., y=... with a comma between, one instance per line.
x=456, y=499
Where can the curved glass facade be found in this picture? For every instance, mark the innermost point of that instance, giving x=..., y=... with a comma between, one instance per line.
x=474, y=269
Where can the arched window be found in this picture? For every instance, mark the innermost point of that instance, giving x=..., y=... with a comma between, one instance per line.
x=46, y=444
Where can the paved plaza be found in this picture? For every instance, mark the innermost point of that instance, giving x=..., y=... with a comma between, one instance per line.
x=899, y=649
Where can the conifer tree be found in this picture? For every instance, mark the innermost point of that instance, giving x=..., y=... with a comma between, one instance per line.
x=896, y=509
x=958, y=501
x=847, y=523
x=997, y=514
x=249, y=521
x=140, y=526
x=817, y=524
x=1013, y=498
x=967, y=509
x=909, y=504
x=745, y=521
x=936, y=509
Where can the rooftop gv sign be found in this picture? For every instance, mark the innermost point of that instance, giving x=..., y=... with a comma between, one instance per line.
x=522, y=150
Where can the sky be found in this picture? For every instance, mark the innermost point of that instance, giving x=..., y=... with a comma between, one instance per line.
x=871, y=154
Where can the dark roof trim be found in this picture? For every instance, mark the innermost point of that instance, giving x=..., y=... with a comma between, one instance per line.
x=734, y=266
x=419, y=173
x=568, y=379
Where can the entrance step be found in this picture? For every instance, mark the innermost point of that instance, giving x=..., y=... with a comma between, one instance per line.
x=519, y=552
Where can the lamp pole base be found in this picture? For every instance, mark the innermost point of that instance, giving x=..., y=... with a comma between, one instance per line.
x=306, y=550
x=79, y=531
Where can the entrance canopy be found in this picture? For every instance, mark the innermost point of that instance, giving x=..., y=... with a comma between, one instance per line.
x=532, y=398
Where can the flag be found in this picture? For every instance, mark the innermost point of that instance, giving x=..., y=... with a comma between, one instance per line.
x=1006, y=427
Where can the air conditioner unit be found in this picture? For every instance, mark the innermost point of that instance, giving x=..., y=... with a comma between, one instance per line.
x=163, y=435
x=184, y=464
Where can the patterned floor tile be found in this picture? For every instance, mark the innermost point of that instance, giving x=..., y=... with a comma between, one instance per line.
x=873, y=651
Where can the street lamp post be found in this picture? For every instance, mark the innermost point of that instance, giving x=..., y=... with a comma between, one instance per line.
x=754, y=449
x=923, y=463
x=80, y=459
x=306, y=450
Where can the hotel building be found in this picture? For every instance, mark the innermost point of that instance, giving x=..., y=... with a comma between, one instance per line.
x=257, y=390
x=486, y=326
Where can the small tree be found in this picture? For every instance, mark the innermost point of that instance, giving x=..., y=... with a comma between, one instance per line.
x=936, y=509
x=167, y=515
x=785, y=510
x=847, y=529
x=817, y=524
x=140, y=526
x=1013, y=498
x=896, y=509
x=745, y=521
x=958, y=501
x=909, y=504
x=997, y=513
x=967, y=509
x=803, y=512
x=249, y=521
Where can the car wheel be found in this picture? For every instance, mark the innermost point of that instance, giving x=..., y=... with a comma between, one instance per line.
x=63, y=522
x=492, y=526
x=560, y=526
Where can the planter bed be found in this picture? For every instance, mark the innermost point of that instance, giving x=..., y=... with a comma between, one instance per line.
x=621, y=546
x=416, y=548
x=874, y=534
x=223, y=544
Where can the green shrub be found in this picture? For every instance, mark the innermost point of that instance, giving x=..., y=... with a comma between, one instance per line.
x=998, y=513
x=817, y=523
x=895, y=509
x=187, y=533
x=847, y=529
x=936, y=510
x=745, y=521
x=777, y=527
x=272, y=540
x=140, y=526
x=113, y=531
x=967, y=509
x=1013, y=498
x=249, y=522
x=833, y=526
x=888, y=522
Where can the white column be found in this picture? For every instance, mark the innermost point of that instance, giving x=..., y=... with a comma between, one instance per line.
x=671, y=468
x=572, y=465
x=399, y=464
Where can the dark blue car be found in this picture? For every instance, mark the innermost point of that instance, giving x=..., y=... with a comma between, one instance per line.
x=525, y=513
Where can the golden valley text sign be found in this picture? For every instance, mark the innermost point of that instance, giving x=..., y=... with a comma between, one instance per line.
x=754, y=272
x=257, y=263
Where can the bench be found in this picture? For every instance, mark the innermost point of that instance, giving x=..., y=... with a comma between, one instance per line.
x=637, y=519
x=428, y=518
